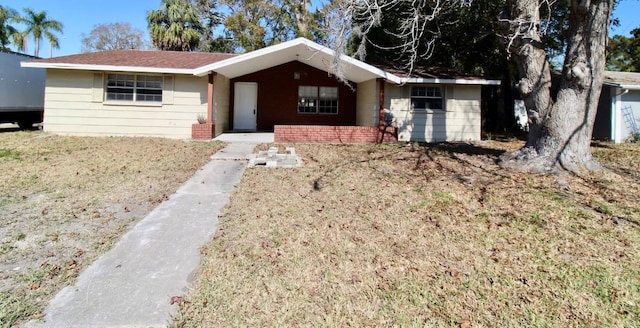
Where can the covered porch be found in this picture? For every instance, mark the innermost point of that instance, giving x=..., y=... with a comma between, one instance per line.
x=290, y=89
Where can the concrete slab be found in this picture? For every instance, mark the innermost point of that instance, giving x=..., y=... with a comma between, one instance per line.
x=132, y=284
x=271, y=158
x=238, y=151
x=249, y=137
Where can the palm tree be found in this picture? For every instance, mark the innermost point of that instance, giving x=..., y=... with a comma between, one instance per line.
x=38, y=25
x=7, y=15
x=175, y=26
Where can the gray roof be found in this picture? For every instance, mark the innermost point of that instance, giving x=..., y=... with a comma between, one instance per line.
x=622, y=78
x=140, y=58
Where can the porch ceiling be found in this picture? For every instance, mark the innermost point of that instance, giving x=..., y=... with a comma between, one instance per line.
x=300, y=49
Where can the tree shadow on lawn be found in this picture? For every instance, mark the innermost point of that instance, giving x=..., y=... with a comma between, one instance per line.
x=442, y=155
x=462, y=148
x=601, y=144
x=467, y=155
x=477, y=163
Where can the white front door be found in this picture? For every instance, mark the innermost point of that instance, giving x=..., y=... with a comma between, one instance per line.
x=245, y=101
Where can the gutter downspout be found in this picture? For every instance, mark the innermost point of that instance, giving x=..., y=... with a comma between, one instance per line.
x=381, y=103
x=210, y=98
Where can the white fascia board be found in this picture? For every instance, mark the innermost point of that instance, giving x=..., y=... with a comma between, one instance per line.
x=109, y=68
x=622, y=86
x=352, y=61
x=449, y=81
x=204, y=70
x=374, y=70
x=629, y=86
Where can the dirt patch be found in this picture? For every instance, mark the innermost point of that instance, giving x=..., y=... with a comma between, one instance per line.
x=424, y=235
x=65, y=200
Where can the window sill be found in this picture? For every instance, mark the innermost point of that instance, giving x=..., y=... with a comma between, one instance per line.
x=132, y=103
x=317, y=113
x=428, y=111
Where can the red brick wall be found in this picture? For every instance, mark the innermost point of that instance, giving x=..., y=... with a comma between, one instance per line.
x=204, y=131
x=332, y=134
x=278, y=96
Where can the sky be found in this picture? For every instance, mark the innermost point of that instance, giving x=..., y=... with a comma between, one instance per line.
x=80, y=16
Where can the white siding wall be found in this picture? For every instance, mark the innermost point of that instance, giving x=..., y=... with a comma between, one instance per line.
x=74, y=106
x=460, y=121
x=221, y=104
x=622, y=100
x=367, y=103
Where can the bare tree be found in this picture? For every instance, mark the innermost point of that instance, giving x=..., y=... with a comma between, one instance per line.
x=560, y=124
x=112, y=36
x=211, y=18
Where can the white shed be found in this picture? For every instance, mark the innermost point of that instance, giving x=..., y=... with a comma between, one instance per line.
x=619, y=105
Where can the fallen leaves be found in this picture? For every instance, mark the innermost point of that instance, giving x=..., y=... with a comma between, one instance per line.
x=176, y=300
x=412, y=242
x=74, y=197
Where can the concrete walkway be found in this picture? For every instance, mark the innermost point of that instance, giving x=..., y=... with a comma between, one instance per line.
x=255, y=137
x=132, y=284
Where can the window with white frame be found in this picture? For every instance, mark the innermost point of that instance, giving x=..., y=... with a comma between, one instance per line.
x=307, y=99
x=328, y=102
x=317, y=100
x=426, y=98
x=136, y=88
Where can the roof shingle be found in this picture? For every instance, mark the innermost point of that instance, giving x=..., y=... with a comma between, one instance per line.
x=429, y=72
x=141, y=58
x=622, y=77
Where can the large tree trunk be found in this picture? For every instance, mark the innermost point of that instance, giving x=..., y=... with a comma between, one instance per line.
x=301, y=16
x=559, y=131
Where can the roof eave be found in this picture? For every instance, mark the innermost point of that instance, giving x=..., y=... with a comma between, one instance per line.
x=451, y=81
x=206, y=69
x=630, y=86
x=113, y=68
x=372, y=69
x=375, y=72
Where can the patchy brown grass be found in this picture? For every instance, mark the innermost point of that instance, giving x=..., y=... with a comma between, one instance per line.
x=435, y=235
x=65, y=200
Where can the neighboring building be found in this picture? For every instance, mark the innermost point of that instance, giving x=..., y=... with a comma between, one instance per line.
x=620, y=94
x=286, y=88
x=21, y=90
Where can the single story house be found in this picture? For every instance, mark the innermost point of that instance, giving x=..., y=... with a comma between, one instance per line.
x=619, y=105
x=288, y=88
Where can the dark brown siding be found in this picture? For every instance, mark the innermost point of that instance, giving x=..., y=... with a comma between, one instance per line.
x=278, y=96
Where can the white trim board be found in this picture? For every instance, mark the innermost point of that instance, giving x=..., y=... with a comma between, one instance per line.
x=414, y=80
x=109, y=68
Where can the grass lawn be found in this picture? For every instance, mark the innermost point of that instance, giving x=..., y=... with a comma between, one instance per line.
x=436, y=235
x=65, y=200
